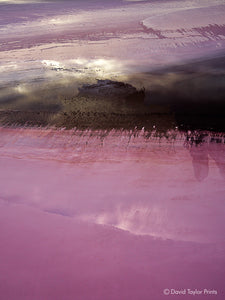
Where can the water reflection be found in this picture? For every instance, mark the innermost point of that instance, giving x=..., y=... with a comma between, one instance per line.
x=200, y=162
x=146, y=186
x=202, y=149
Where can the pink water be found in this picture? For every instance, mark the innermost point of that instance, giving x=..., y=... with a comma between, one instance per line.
x=114, y=217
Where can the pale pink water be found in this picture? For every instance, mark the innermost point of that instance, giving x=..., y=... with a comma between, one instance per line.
x=119, y=217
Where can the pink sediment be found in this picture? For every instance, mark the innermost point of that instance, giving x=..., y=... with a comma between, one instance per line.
x=109, y=215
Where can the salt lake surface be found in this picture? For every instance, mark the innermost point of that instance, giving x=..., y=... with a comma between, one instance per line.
x=94, y=215
x=115, y=214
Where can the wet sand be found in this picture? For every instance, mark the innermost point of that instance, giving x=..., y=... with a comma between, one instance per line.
x=49, y=50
